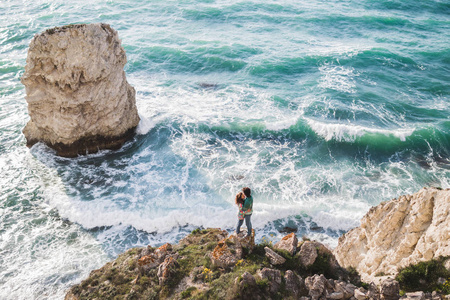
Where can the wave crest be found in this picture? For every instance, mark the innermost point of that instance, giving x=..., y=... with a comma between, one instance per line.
x=350, y=132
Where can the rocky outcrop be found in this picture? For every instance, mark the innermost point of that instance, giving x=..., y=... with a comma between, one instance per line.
x=307, y=254
x=229, y=250
x=79, y=100
x=288, y=243
x=207, y=264
x=274, y=258
x=273, y=277
x=398, y=233
x=187, y=271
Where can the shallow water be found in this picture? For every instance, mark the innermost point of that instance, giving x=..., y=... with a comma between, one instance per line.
x=322, y=108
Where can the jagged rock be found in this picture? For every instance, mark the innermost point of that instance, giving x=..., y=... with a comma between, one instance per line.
x=390, y=289
x=229, y=250
x=374, y=292
x=245, y=241
x=317, y=286
x=415, y=296
x=78, y=98
x=411, y=229
x=360, y=294
x=336, y=295
x=273, y=276
x=149, y=259
x=347, y=289
x=307, y=253
x=71, y=296
x=295, y=284
x=247, y=279
x=288, y=243
x=275, y=258
x=247, y=288
x=222, y=256
x=447, y=264
x=166, y=269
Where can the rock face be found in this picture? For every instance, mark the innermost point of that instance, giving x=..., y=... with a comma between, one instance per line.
x=229, y=250
x=79, y=100
x=288, y=243
x=275, y=258
x=307, y=254
x=398, y=233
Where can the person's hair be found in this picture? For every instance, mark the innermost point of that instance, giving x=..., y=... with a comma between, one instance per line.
x=247, y=191
x=240, y=198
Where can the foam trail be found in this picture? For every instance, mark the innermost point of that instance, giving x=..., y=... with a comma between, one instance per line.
x=350, y=132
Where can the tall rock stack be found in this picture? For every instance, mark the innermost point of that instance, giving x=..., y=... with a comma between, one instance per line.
x=79, y=100
x=398, y=233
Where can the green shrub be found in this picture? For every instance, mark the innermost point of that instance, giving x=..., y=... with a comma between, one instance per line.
x=263, y=283
x=187, y=293
x=322, y=266
x=423, y=276
x=445, y=288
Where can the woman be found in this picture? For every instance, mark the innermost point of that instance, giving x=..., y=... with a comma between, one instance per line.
x=240, y=199
x=247, y=210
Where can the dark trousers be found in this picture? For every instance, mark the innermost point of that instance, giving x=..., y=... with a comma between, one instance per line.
x=248, y=223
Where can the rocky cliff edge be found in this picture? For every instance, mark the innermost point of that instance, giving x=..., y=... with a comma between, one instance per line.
x=398, y=233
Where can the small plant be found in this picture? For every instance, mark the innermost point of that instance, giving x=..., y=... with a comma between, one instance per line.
x=239, y=262
x=196, y=231
x=263, y=283
x=229, y=242
x=355, y=278
x=423, y=276
x=265, y=242
x=207, y=274
x=322, y=266
x=379, y=274
x=188, y=292
x=445, y=288
x=211, y=246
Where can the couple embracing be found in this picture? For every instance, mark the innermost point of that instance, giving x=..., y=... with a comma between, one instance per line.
x=244, y=201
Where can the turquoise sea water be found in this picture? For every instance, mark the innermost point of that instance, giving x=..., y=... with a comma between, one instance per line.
x=323, y=108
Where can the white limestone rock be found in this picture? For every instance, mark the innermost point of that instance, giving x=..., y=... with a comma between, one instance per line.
x=398, y=233
x=79, y=100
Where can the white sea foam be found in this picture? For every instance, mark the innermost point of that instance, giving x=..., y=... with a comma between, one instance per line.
x=277, y=125
x=145, y=125
x=350, y=132
x=41, y=254
x=338, y=78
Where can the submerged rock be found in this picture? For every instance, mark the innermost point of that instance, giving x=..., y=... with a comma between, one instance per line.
x=79, y=100
x=398, y=233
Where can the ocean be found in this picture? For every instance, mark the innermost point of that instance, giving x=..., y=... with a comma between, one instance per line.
x=323, y=108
